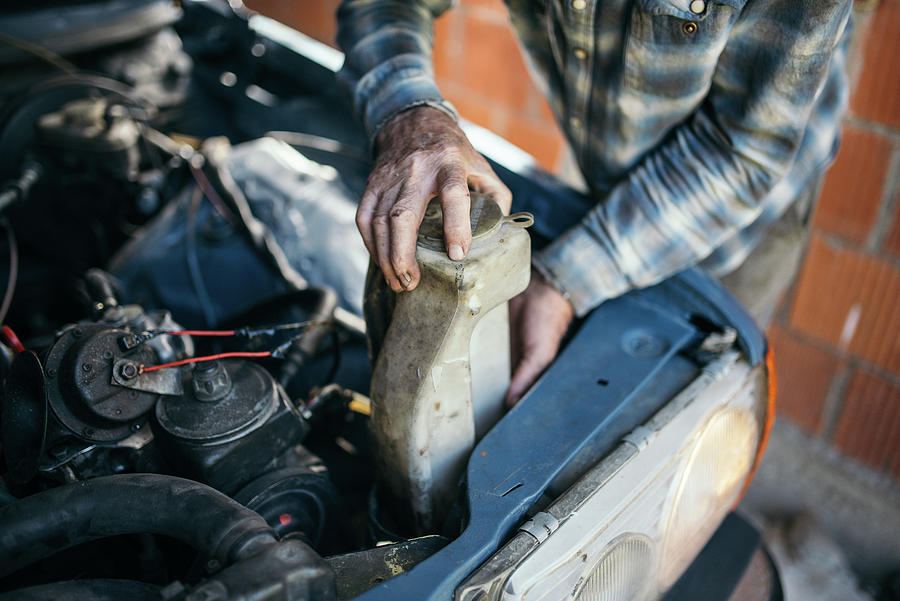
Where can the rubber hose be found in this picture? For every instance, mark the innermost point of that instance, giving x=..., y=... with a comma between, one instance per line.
x=86, y=590
x=101, y=287
x=56, y=519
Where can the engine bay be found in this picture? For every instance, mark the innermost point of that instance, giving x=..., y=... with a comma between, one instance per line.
x=187, y=359
x=176, y=305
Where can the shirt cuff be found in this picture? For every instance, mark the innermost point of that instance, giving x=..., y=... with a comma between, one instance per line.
x=398, y=84
x=577, y=265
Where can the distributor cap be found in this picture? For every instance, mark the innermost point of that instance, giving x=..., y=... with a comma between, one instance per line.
x=485, y=217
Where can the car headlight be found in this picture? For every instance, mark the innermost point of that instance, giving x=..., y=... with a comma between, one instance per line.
x=621, y=572
x=714, y=472
x=628, y=528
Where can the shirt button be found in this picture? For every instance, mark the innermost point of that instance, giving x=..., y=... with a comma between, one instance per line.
x=579, y=4
x=698, y=6
x=580, y=53
x=575, y=122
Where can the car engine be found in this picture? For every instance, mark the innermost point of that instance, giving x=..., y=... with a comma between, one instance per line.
x=187, y=361
x=183, y=326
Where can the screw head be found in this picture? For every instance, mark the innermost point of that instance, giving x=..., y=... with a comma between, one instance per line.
x=128, y=371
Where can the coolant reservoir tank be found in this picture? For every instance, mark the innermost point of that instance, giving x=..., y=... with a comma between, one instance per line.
x=447, y=345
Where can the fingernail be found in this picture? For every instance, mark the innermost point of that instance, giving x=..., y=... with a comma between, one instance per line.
x=407, y=279
x=455, y=252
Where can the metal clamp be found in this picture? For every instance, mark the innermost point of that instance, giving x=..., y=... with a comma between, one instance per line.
x=540, y=526
x=640, y=437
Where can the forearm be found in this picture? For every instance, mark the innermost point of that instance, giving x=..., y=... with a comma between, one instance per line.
x=388, y=65
x=713, y=174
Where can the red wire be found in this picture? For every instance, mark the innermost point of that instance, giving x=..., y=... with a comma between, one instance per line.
x=201, y=332
x=144, y=370
x=10, y=337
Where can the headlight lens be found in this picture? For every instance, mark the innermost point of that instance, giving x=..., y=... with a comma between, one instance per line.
x=631, y=525
x=713, y=475
x=621, y=573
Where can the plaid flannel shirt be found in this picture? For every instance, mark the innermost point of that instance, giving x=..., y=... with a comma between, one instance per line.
x=696, y=123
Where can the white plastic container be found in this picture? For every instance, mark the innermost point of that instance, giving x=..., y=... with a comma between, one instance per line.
x=443, y=366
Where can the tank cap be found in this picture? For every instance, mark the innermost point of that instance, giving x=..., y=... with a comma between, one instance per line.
x=485, y=217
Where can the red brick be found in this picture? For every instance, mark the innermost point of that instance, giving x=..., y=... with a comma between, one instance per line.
x=835, y=283
x=449, y=41
x=315, y=19
x=544, y=112
x=877, y=94
x=492, y=10
x=493, y=64
x=544, y=142
x=849, y=203
x=474, y=109
x=869, y=424
x=804, y=375
x=496, y=5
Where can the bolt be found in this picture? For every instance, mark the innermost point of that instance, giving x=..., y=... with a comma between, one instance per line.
x=86, y=367
x=128, y=371
x=76, y=332
x=51, y=373
x=88, y=432
x=107, y=355
x=135, y=427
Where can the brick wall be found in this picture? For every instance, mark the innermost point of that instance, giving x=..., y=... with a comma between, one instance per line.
x=837, y=339
x=837, y=335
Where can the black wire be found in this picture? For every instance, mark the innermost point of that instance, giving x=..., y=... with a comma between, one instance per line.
x=13, y=269
x=45, y=54
x=336, y=356
x=193, y=262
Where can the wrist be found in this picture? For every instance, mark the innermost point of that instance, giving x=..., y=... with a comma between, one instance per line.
x=540, y=275
x=412, y=119
x=549, y=289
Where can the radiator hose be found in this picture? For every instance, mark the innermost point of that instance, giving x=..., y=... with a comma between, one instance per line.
x=50, y=521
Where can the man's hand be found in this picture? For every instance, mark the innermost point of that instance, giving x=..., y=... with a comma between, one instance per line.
x=421, y=153
x=538, y=320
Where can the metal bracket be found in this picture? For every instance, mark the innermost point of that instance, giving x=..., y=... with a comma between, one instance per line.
x=540, y=526
x=125, y=373
x=640, y=437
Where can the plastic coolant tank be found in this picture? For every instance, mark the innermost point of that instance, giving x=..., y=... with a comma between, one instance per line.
x=442, y=366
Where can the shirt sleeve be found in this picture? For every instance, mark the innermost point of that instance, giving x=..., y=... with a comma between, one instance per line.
x=711, y=175
x=387, y=67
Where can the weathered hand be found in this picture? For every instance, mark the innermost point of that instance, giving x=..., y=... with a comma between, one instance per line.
x=538, y=320
x=421, y=153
